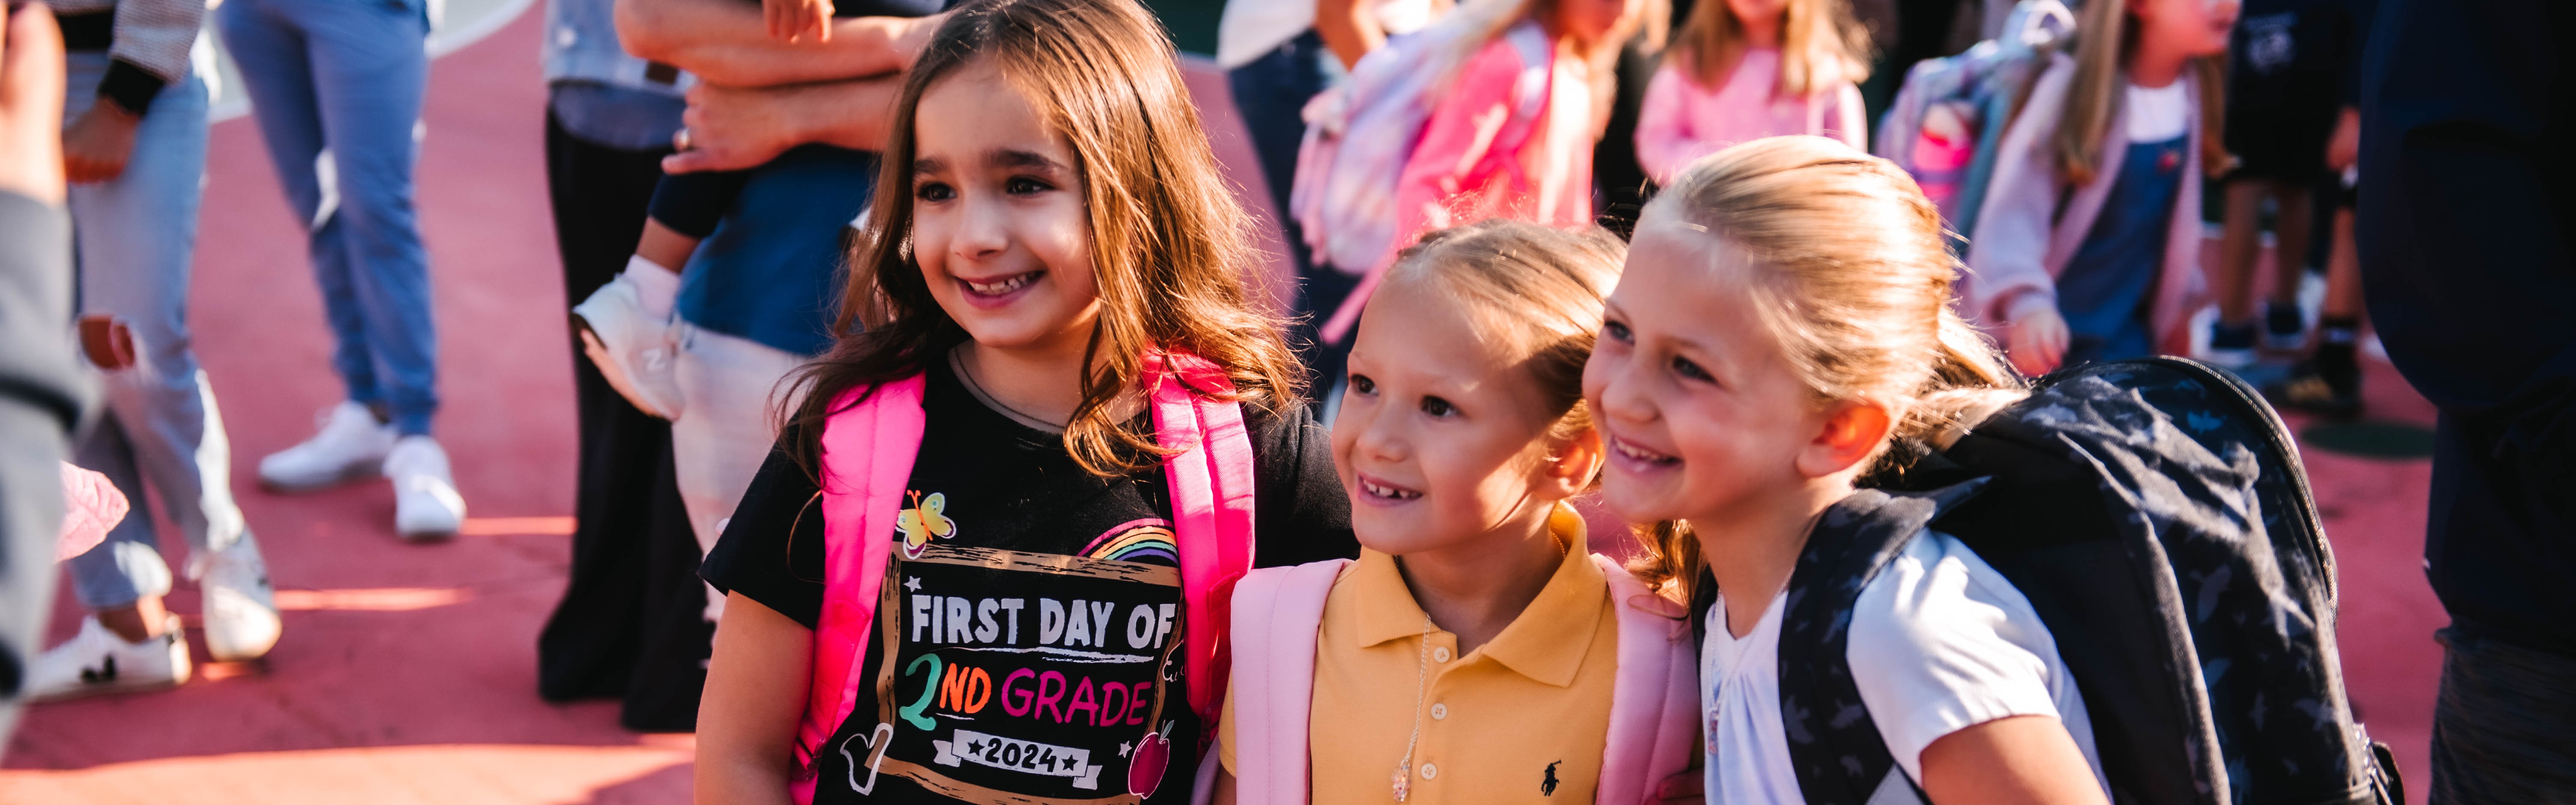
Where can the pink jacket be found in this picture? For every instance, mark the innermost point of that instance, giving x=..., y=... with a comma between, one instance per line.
x=1278, y=612
x=1463, y=170
x=1682, y=121
x=2032, y=223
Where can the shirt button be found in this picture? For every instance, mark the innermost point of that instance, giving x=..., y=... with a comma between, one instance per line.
x=564, y=37
x=1430, y=770
x=1440, y=654
x=1439, y=711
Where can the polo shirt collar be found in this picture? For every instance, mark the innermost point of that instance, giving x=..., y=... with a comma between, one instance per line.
x=1546, y=643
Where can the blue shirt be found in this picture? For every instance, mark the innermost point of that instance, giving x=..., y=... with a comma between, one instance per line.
x=772, y=271
x=2104, y=291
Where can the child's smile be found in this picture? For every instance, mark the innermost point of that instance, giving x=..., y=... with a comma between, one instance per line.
x=999, y=222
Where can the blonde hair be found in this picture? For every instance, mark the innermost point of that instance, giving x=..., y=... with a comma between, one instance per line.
x=1169, y=244
x=2103, y=43
x=1821, y=46
x=1537, y=290
x=1852, y=271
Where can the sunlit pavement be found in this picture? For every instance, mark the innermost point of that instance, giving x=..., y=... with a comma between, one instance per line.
x=407, y=673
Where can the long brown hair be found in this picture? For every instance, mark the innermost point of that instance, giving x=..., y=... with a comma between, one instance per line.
x=1821, y=45
x=1170, y=245
x=2103, y=41
x=1852, y=272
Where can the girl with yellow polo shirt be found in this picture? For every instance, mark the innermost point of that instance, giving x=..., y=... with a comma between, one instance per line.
x=1477, y=652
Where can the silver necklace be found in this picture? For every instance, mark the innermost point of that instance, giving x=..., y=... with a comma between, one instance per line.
x=1421, y=684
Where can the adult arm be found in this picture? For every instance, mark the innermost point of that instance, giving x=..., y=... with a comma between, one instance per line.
x=756, y=692
x=734, y=129
x=1350, y=28
x=727, y=42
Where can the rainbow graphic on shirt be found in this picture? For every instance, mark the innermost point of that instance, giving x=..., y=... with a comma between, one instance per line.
x=1136, y=541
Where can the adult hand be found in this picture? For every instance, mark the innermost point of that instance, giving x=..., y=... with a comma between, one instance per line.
x=730, y=128
x=98, y=143
x=2036, y=339
x=2345, y=146
x=31, y=104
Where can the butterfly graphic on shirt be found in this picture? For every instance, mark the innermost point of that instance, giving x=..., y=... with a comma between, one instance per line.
x=924, y=520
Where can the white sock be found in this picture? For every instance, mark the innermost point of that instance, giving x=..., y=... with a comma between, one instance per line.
x=658, y=288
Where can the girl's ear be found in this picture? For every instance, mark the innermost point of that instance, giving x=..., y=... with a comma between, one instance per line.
x=1572, y=466
x=1850, y=432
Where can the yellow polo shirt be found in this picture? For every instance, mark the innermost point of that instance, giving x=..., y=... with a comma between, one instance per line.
x=1520, y=719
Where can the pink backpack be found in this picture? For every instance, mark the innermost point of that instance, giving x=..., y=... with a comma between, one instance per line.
x=868, y=447
x=1359, y=136
x=1278, y=611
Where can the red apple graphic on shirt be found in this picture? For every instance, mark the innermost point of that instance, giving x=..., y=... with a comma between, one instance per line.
x=1145, y=770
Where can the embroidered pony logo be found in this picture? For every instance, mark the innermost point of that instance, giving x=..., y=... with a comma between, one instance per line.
x=1547, y=787
x=925, y=519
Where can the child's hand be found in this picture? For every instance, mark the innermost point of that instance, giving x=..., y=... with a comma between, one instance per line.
x=798, y=20
x=2036, y=339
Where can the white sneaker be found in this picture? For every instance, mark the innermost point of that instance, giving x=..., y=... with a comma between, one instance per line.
x=626, y=330
x=349, y=444
x=97, y=661
x=241, y=607
x=426, y=506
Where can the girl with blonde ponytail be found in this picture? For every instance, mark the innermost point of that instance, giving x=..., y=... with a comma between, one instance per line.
x=1782, y=329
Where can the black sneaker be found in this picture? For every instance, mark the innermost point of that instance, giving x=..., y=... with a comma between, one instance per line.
x=2231, y=347
x=2283, y=327
x=2318, y=390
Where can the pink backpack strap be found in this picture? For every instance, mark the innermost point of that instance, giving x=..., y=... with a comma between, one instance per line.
x=1654, y=705
x=1211, y=486
x=869, y=443
x=1278, y=613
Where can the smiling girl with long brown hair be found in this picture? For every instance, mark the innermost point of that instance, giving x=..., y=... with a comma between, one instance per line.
x=990, y=557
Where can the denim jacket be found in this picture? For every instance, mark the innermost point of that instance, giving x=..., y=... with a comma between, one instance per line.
x=600, y=93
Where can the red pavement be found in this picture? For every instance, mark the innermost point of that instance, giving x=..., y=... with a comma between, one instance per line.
x=407, y=673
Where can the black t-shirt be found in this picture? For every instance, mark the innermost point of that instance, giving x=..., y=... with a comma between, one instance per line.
x=1036, y=618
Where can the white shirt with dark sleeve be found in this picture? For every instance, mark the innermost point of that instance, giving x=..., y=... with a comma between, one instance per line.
x=1939, y=642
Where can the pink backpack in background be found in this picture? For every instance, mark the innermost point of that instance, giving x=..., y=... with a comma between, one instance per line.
x=869, y=443
x=1360, y=134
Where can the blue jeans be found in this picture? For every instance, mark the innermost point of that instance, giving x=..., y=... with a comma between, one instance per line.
x=134, y=235
x=345, y=78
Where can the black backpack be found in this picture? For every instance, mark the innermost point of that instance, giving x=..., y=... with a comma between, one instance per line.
x=2156, y=514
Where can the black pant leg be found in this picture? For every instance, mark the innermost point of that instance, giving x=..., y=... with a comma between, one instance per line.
x=589, y=645
x=671, y=660
x=2504, y=726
